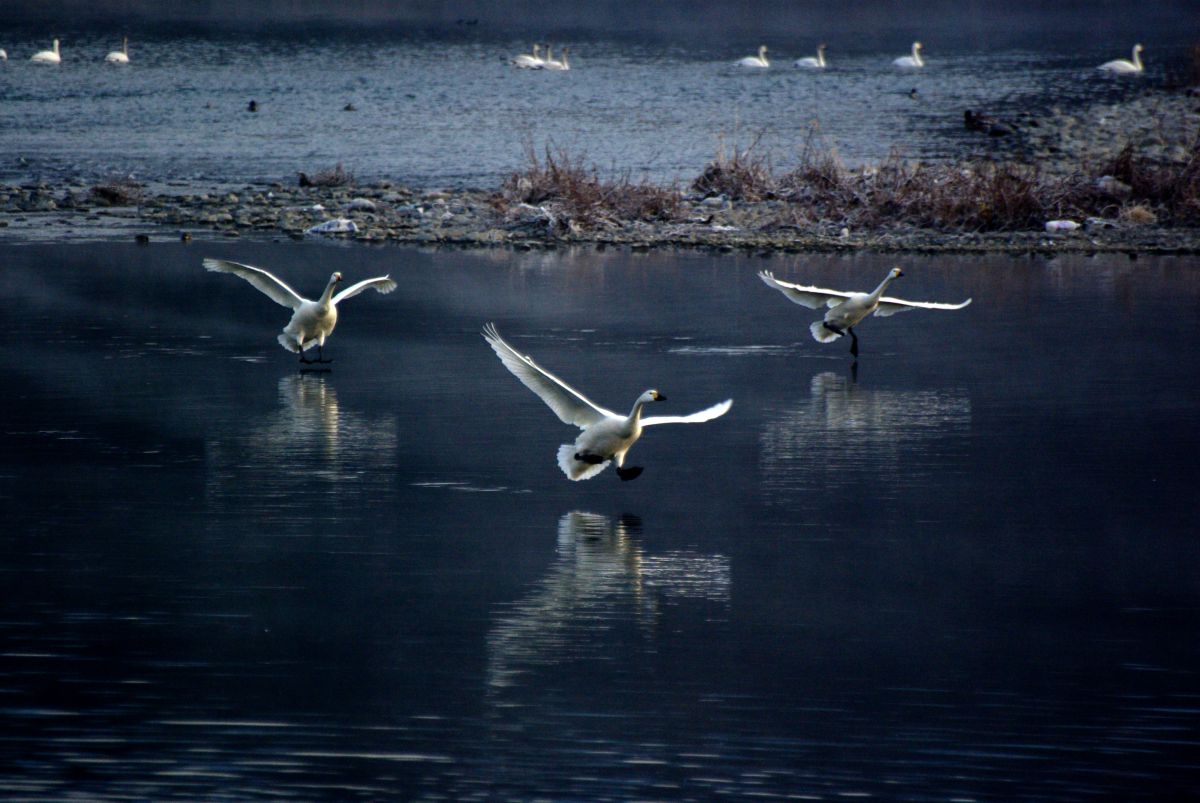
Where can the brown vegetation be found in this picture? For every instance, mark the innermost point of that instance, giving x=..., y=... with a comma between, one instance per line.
x=117, y=192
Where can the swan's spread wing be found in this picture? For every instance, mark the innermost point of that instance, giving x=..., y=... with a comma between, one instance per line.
x=381, y=283
x=571, y=406
x=890, y=306
x=279, y=292
x=716, y=411
x=811, y=297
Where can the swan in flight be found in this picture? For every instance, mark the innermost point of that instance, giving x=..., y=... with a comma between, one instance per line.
x=47, y=56
x=910, y=62
x=606, y=435
x=561, y=63
x=848, y=309
x=312, y=321
x=755, y=61
x=811, y=63
x=1125, y=66
x=527, y=61
x=119, y=56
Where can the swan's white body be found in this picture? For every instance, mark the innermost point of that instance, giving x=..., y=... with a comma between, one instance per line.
x=51, y=56
x=3, y=54
x=848, y=309
x=119, y=56
x=912, y=62
x=561, y=63
x=811, y=63
x=312, y=321
x=759, y=61
x=1125, y=66
x=532, y=61
x=606, y=436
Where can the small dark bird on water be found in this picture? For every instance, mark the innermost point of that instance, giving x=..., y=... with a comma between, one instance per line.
x=984, y=124
x=252, y=106
x=349, y=107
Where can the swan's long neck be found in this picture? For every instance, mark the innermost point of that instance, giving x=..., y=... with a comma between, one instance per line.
x=821, y=56
x=563, y=60
x=536, y=49
x=327, y=296
x=635, y=415
x=549, y=53
x=125, y=45
x=1137, y=58
x=917, y=55
x=762, y=54
x=56, y=47
x=875, y=296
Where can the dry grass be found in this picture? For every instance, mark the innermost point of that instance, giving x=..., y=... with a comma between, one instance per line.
x=335, y=176
x=740, y=174
x=1173, y=188
x=118, y=192
x=575, y=195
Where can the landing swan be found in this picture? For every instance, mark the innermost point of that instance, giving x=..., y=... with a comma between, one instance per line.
x=47, y=56
x=119, y=56
x=811, y=63
x=847, y=309
x=910, y=62
x=755, y=61
x=561, y=63
x=606, y=435
x=1125, y=66
x=312, y=321
x=530, y=62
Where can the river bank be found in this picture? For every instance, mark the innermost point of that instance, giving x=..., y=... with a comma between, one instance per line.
x=1100, y=169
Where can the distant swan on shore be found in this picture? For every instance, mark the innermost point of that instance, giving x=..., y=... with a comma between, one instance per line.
x=3, y=54
x=527, y=61
x=811, y=63
x=119, y=56
x=910, y=62
x=1125, y=66
x=47, y=56
x=758, y=61
x=561, y=63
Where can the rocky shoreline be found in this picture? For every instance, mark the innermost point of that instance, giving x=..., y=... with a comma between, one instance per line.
x=1161, y=126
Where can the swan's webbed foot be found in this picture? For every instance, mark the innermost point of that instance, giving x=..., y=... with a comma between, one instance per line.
x=837, y=330
x=853, y=343
x=631, y=473
x=590, y=459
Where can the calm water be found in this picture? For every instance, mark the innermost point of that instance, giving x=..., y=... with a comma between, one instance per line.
x=967, y=573
x=450, y=111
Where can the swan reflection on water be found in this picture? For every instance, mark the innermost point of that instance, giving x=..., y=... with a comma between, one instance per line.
x=843, y=427
x=306, y=445
x=601, y=579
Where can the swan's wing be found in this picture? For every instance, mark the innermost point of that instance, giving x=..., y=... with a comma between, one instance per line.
x=890, y=306
x=279, y=292
x=571, y=406
x=811, y=297
x=381, y=283
x=716, y=411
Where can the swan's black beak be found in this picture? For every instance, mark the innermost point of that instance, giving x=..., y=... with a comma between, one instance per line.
x=898, y=275
x=660, y=397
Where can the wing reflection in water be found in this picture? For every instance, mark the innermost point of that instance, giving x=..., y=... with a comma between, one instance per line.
x=844, y=428
x=601, y=580
x=308, y=445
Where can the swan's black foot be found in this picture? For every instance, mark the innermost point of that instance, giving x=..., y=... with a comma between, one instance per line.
x=853, y=344
x=837, y=330
x=631, y=473
x=590, y=459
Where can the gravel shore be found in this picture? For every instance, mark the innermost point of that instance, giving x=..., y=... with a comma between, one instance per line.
x=1162, y=127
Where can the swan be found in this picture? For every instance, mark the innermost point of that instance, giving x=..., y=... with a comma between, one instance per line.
x=847, y=309
x=811, y=63
x=312, y=321
x=1125, y=66
x=530, y=62
x=47, y=56
x=119, y=56
x=910, y=62
x=755, y=61
x=606, y=436
x=3, y=54
x=561, y=63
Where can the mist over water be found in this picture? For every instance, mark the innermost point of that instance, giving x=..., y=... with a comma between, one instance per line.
x=966, y=570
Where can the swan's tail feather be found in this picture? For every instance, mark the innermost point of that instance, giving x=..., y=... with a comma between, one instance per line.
x=821, y=333
x=288, y=342
x=577, y=469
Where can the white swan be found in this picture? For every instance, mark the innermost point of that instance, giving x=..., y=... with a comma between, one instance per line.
x=606, y=435
x=811, y=63
x=847, y=309
x=910, y=62
x=312, y=321
x=47, y=56
x=561, y=63
x=755, y=61
x=1125, y=66
x=3, y=54
x=530, y=62
x=119, y=56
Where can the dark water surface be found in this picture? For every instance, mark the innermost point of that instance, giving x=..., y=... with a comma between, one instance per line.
x=449, y=110
x=967, y=573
